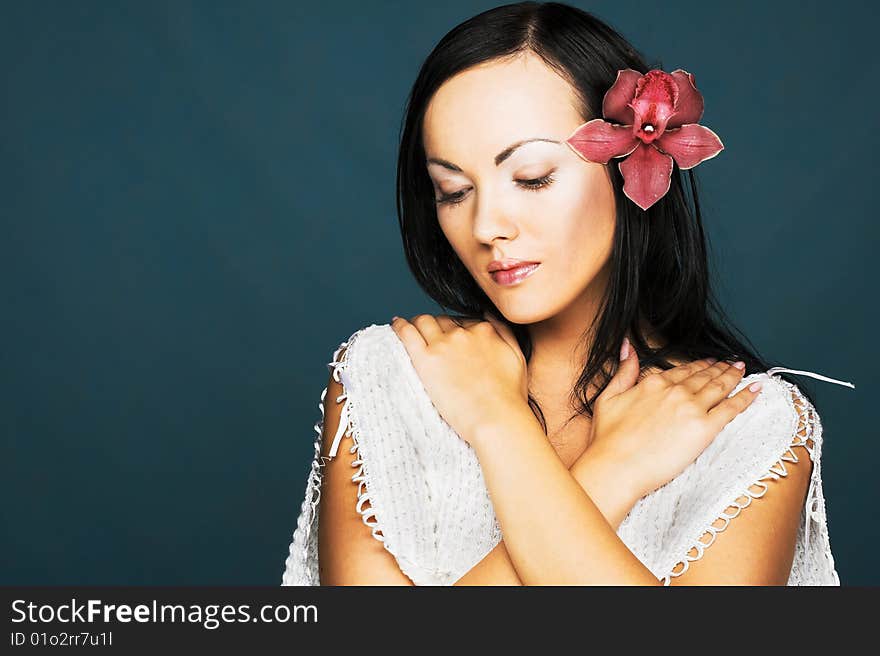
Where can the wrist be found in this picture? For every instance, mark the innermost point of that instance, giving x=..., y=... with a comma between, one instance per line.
x=608, y=482
x=502, y=420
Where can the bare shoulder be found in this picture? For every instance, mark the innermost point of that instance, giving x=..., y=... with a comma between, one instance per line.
x=349, y=553
x=754, y=542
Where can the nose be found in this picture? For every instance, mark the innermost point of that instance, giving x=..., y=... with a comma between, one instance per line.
x=493, y=220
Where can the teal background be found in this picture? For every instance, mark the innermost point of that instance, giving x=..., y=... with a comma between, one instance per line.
x=198, y=207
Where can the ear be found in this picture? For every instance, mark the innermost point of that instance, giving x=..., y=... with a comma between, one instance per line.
x=505, y=332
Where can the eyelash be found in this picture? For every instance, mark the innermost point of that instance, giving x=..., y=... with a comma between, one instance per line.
x=535, y=184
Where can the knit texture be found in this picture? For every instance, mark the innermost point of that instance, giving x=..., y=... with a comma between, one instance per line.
x=429, y=505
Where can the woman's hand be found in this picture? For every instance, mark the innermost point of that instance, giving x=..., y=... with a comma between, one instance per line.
x=654, y=429
x=472, y=372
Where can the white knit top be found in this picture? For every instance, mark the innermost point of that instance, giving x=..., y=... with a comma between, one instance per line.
x=429, y=505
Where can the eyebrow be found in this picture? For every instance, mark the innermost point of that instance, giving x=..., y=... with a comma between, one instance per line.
x=500, y=157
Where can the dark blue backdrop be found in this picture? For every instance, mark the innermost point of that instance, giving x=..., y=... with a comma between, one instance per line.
x=198, y=206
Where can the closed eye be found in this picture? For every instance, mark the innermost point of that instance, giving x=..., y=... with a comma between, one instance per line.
x=535, y=184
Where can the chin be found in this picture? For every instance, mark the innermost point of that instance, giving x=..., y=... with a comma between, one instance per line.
x=522, y=313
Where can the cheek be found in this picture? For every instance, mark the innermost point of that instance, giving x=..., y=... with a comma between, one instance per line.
x=452, y=233
x=585, y=230
x=459, y=236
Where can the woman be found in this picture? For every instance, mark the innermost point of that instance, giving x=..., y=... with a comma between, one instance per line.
x=587, y=418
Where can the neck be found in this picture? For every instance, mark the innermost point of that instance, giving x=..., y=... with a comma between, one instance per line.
x=561, y=343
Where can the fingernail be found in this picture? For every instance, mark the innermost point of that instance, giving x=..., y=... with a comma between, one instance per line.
x=754, y=387
x=712, y=360
x=740, y=364
x=395, y=317
x=624, y=349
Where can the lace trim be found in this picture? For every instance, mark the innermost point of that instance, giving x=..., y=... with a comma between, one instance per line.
x=347, y=426
x=807, y=423
x=298, y=552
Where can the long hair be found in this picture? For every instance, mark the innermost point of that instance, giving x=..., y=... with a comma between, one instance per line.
x=659, y=266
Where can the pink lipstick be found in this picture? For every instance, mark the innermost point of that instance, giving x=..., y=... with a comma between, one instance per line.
x=515, y=274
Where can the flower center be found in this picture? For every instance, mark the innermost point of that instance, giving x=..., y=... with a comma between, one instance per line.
x=648, y=132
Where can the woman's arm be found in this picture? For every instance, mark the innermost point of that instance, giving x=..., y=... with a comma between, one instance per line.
x=348, y=552
x=350, y=555
x=755, y=548
x=605, y=486
x=554, y=533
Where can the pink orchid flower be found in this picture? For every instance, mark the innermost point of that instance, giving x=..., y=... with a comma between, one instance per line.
x=658, y=113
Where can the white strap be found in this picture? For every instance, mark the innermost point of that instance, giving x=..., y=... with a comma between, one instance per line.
x=773, y=370
x=343, y=425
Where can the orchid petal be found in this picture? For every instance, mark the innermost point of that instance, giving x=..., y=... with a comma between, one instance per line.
x=647, y=174
x=598, y=141
x=690, y=144
x=689, y=108
x=653, y=104
x=615, y=104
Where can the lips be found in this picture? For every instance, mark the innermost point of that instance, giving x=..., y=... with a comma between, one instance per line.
x=507, y=263
x=515, y=274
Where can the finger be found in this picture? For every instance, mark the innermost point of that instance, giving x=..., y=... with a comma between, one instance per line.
x=428, y=327
x=504, y=331
x=625, y=376
x=408, y=334
x=720, y=387
x=723, y=413
x=679, y=373
x=696, y=381
x=448, y=323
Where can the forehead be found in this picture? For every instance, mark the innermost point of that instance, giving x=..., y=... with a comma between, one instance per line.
x=488, y=107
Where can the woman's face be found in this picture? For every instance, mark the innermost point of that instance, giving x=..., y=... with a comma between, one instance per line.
x=539, y=202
